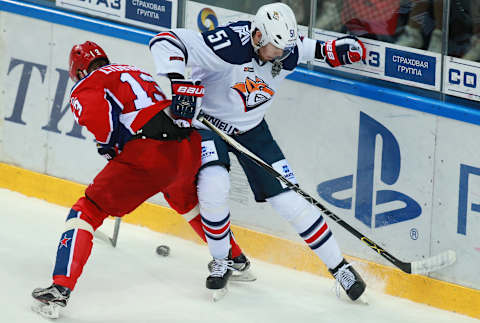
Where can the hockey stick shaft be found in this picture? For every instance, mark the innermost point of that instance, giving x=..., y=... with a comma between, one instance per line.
x=404, y=266
x=116, y=231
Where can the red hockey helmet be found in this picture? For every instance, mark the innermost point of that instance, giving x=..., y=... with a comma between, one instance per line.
x=82, y=55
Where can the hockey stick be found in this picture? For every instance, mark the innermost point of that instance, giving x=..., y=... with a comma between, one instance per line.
x=416, y=267
x=112, y=240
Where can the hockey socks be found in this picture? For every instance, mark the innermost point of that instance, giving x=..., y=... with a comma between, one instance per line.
x=320, y=239
x=310, y=225
x=196, y=224
x=213, y=188
x=73, y=250
x=76, y=242
x=218, y=236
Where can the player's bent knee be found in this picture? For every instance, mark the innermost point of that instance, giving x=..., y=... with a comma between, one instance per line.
x=213, y=188
x=294, y=209
x=77, y=220
x=78, y=223
x=87, y=211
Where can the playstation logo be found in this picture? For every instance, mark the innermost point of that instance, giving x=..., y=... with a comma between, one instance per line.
x=365, y=194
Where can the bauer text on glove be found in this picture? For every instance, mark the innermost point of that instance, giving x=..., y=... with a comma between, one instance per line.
x=185, y=94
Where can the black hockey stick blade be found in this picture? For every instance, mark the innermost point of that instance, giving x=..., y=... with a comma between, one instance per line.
x=423, y=266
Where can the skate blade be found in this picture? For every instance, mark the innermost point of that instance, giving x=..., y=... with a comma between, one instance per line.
x=342, y=295
x=219, y=294
x=243, y=276
x=363, y=299
x=49, y=310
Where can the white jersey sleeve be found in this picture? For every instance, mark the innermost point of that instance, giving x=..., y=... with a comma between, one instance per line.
x=307, y=49
x=174, y=50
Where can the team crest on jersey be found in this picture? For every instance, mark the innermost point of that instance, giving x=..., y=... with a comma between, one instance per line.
x=76, y=107
x=254, y=93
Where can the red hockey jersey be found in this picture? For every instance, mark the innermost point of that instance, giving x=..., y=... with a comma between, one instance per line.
x=115, y=101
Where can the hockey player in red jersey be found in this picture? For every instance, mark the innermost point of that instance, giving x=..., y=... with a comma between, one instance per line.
x=148, y=153
x=242, y=66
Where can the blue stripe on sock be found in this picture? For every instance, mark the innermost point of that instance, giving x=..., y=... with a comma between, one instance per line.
x=210, y=236
x=72, y=214
x=216, y=224
x=321, y=242
x=307, y=232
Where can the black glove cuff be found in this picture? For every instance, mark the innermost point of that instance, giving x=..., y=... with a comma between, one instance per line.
x=320, y=50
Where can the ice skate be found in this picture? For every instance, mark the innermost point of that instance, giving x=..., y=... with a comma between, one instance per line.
x=240, y=269
x=218, y=279
x=350, y=280
x=48, y=301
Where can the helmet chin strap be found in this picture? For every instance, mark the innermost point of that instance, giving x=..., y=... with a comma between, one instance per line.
x=260, y=43
x=256, y=47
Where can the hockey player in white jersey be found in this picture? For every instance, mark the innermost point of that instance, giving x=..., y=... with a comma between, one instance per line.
x=241, y=67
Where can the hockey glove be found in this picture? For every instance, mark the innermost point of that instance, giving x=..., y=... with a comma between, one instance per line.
x=108, y=152
x=184, y=100
x=344, y=50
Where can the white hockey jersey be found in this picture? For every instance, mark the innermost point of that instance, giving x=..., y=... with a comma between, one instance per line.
x=239, y=87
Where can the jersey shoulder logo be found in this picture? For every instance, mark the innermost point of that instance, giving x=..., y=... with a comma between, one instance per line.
x=254, y=93
x=243, y=32
x=76, y=107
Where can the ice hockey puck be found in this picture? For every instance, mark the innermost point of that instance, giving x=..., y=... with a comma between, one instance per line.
x=163, y=250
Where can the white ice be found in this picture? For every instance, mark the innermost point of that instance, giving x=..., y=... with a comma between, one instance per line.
x=131, y=283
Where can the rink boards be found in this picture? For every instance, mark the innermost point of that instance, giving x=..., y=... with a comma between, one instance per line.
x=407, y=179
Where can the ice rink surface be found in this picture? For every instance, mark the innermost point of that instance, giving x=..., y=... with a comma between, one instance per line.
x=131, y=283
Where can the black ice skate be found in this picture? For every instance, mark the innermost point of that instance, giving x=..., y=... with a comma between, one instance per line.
x=218, y=279
x=50, y=300
x=240, y=266
x=349, y=279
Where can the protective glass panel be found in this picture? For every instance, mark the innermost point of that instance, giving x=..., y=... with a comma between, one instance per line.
x=409, y=23
x=301, y=8
x=247, y=6
x=464, y=29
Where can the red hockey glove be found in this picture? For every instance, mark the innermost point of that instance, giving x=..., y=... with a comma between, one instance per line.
x=344, y=50
x=184, y=99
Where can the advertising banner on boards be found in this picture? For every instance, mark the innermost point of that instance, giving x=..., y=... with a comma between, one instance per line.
x=462, y=78
x=393, y=63
x=152, y=14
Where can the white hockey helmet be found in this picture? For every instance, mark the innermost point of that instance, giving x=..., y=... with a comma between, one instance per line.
x=277, y=23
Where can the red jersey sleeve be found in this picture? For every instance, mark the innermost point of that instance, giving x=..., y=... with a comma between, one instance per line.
x=92, y=110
